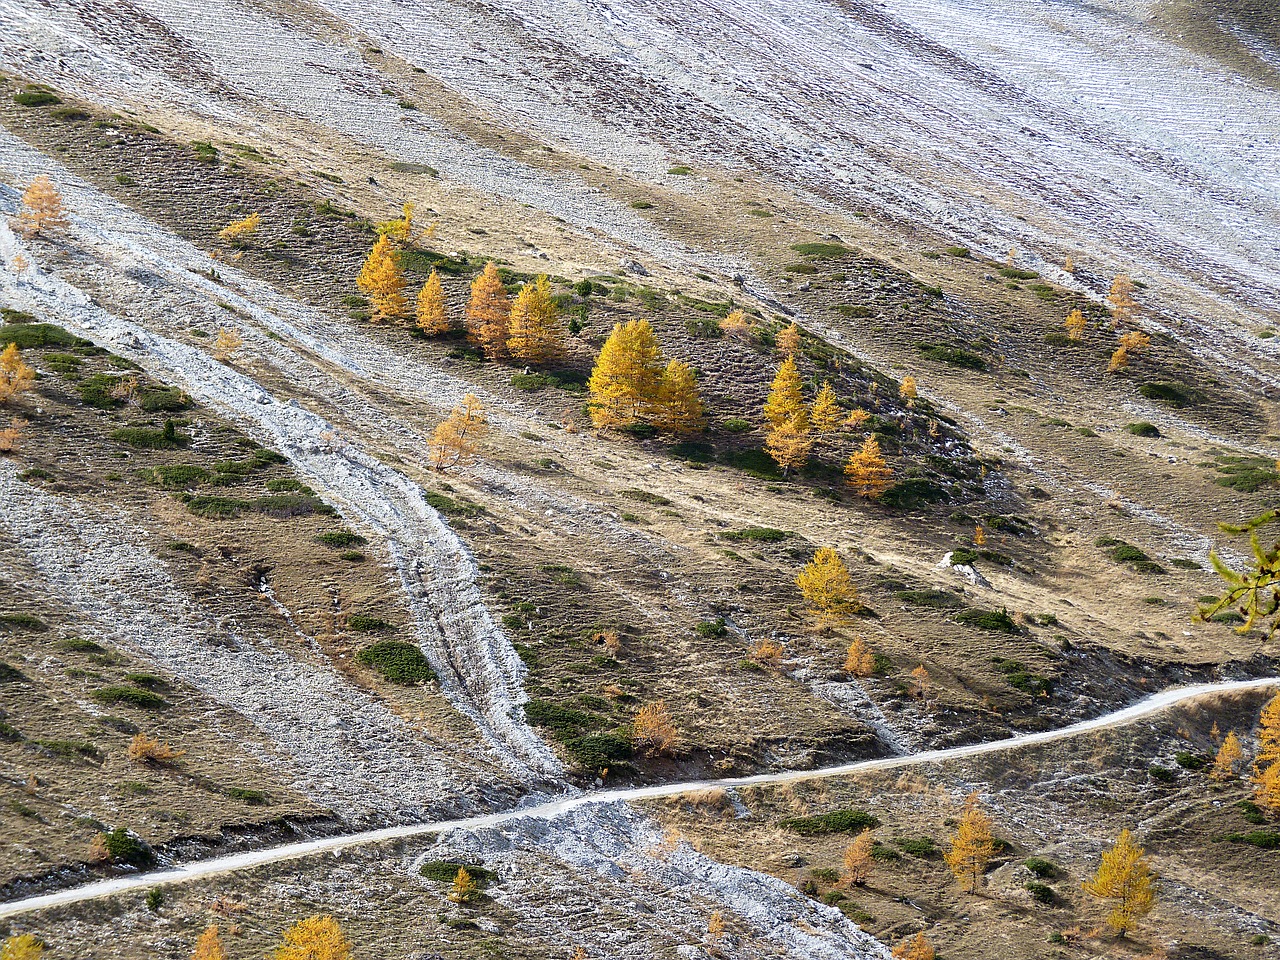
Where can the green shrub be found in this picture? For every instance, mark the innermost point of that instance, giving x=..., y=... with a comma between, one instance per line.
x=146, y=438
x=644, y=496
x=123, y=847
x=837, y=821
x=143, y=699
x=923, y=847
x=757, y=535
x=1251, y=812
x=28, y=335
x=1013, y=273
x=561, y=719
x=568, y=381
x=736, y=425
x=597, y=750
x=680, y=171
x=704, y=328
x=712, y=628
x=366, y=623
x=954, y=356
x=1042, y=868
x=179, y=476
x=1262, y=839
x=155, y=899
x=9, y=674
x=1162, y=774
x=912, y=493
x=36, y=96
x=805, y=268
x=254, y=798
x=1174, y=394
x=80, y=645
x=822, y=251
x=961, y=252
x=941, y=599
x=148, y=681
x=23, y=621
x=1040, y=892
x=163, y=400
x=997, y=621
x=340, y=538
x=1143, y=429
x=1189, y=761
x=71, y=748
x=397, y=661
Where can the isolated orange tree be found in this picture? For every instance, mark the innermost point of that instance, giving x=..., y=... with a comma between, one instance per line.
x=240, y=231
x=867, y=472
x=10, y=435
x=315, y=938
x=1227, y=763
x=42, y=210
x=972, y=847
x=16, y=377
x=457, y=438
x=382, y=281
x=1075, y=324
x=534, y=332
x=1121, y=298
x=1129, y=344
x=1126, y=880
x=859, y=659
x=488, y=313
x=209, y=946
x=654, y=729
x=826, y=586
x=735, y=322
x=907, y=390
x=464, y=889
x=789, y=340
x=430, y=313
x=858, y=861
x=915, y=948
x=24, y=946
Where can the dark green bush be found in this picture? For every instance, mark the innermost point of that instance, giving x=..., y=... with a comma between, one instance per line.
x=923, y=847
x=27, y=335
x=758, y=535
x=397, y=661
x=596, y=750
x=1174, y=394
x=254, y=798
x=561, y=719
x=954, y=356
x=144, y=699
x=942, y=599
x=913, y=493
x=366, y=623
x=822, y=251
x=704, y=328
x=444, y=871
x=1263, y=839
x=1042, y=868
x=837, y=821
x=163, y=400
x=1189, y=761
x=179, y=476
x=341, y=538
x=123, y=847
x=1162, y=774
x=1251, y=812
x=34, y=96
x=712, y=628
x=998, y=621
x=1143, y=429
x=23, y=621
x=146, y=438
x=1040, y=892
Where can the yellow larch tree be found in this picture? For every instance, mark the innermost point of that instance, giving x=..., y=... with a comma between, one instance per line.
x=1121, y=298
x=789, y=444
x=1268, y=736
x=789, y=340
x=915, y=948
x=715, y=926
x=241, y=231
x=859, y=659
x=654, y=729
x=785, y=402
x=41, y=211
x=858, y=861
x=979, y=536
x=826, y=417
x=826, y=585
x=489, y=313
x=382, y=281
x=10, y=435
x=1227, y=763
x=1129, y=344
x=1266, y=789
x=1075, y=324
x=24, y=946
x=209, y=946
x=400, y=230
x=907, y=390
x=225, y=344
x=432, y=317
x=16, y=377
x=465, y=889
x=867, y=471
x=625, y=381
x=457, y=438
x=315, y=938
x=856, y=418
x=1125, y=878
x=734, y=323
x=1069, y=266
x=678, y=408
x=921, y=687
x=972, y=847
x=535, y=334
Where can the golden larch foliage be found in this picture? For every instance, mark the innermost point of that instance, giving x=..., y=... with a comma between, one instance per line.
x=789, y=444
x=907, y=390
x=735, y=322
x=489, y=313
x=715, y=926
x=1121, y=297
x=225, y=344
x=1011, y=256
x=209, y=946
x=767, y=651
x=972, y=847
x=401, y=230
x=147, y=749
x=315, y=938
x=25, y=946
x=857, y=417
x=857, y=860
x=432, y=318
x=826, y=586
x=1266, y=789
x=826, y=416
x=1129, y=344
x=654, y=729
x=625, y=380
x=16, y=377
x=979, y=536
x=465, y=889
x=916, y=948
x=785, y=403
x=921, y=686
x=859, y=659
x=456, y=440
x=1069, y=265
x=1268, y=735
x=10, y=435
x=1227, y=763
x=1075, y=324
x=240, y=231
x=41, y=210
x=867, y=471
x=534, y=332
x=678, y=408
x=789, y=340
x=1125, y=878
x=382, y=281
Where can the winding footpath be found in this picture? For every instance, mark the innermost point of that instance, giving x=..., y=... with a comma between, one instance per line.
x=553, y=809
